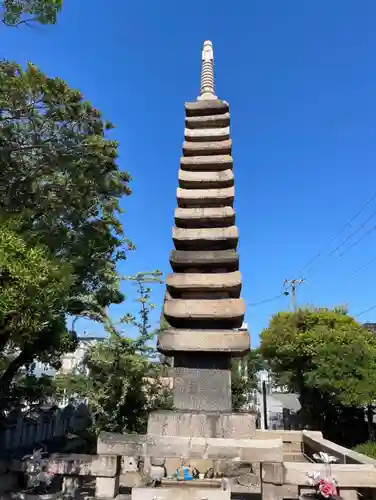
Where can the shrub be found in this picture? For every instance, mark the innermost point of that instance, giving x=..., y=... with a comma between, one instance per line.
x=368, y=448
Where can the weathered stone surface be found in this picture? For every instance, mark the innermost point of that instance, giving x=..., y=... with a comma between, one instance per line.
x=110, y=443
x=175, y=340
x=106, y=487
x=205, y=197
x=205, y=108
x=211, y=121
x=184, y=492
x=314, y=443
x=84, y=465
x=229, y=282
x=228, y=260
x=179, y=312
x=200, y=217
x=219, y=238
x=202, y=163
x=247, y=450
x=205, y=180
x=130, y=479
x=207, y=134
x=202, y=424
x=202, y=382
x=207, y=148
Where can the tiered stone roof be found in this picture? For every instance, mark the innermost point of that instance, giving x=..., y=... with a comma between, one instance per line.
x=203, y=306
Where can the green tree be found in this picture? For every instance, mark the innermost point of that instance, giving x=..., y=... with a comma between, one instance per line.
x=29, y=391
x=16, y=12
x=60, y=182
x=244, y=378
x=32, y=307
x=120, y=376
x=325, y=356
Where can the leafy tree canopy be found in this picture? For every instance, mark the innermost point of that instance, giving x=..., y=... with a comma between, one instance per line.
x=61, y=189
x=322, y=349
x=33, y=290
x=32, y=307
x=16, y=12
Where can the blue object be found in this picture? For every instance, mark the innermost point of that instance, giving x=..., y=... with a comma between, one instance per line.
x=184, y=474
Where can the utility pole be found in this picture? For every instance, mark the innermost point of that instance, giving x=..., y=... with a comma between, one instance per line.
x=291, y=286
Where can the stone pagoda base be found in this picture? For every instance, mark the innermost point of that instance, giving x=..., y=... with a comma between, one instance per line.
x=202, y=424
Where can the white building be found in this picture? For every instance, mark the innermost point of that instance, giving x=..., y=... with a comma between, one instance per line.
x=70, y=361
x=73, y=360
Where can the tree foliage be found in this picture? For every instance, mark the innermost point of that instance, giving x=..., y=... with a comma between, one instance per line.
x=33, y=289
x=323, y=349
x=244, y=378
x=61, y=188
x=325, y=356
x=32, y=309
x=16, y=12
x=120, y=377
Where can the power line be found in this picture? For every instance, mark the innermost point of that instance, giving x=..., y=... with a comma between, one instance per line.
x=271, y=299
x=348, y=224
x=358, y=241
x=360, y=269
x=365, y=311
x=317, y=269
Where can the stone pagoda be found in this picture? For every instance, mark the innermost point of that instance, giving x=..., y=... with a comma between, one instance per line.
x=202, y=306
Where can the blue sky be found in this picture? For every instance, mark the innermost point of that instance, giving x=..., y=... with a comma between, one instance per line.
x=300, y=77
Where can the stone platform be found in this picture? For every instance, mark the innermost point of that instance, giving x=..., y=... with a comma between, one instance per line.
x=202, y=424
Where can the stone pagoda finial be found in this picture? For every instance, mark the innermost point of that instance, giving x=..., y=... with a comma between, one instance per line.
x=207, y=73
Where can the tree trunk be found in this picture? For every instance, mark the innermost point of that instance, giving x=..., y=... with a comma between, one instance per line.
x=370, y=422
x=6, y=379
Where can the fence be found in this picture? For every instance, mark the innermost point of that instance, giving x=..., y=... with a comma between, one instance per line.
x=23, y=430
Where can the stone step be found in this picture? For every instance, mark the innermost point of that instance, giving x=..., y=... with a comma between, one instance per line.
x=204, y=217
x=222, y=197
x=205, y=282
x=207, y=148
x=219, y=313
x=211, y=121
x=206, y=108
x=204, y=261
x=204, y=163
x=207, y=134
x=294, y=457
x=218, y=238
x=205, y=180
x=178, y=340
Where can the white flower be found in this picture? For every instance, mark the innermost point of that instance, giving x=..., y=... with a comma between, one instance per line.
x=325, y=457
x=313, y=477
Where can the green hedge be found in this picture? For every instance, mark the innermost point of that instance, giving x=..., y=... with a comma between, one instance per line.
x=368, y=448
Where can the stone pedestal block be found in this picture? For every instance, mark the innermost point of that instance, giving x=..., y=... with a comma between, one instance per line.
x=202, y=382
x=107, y=487
x=202, y=424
